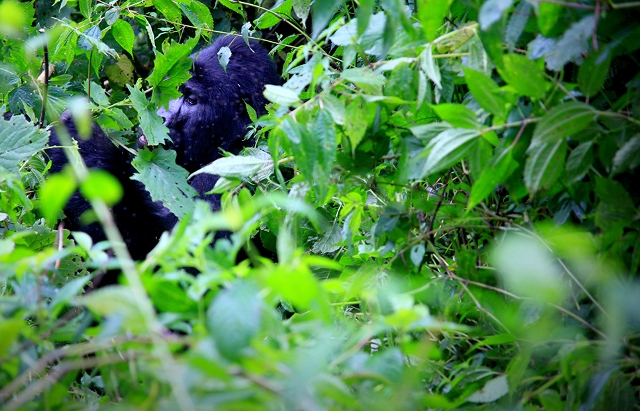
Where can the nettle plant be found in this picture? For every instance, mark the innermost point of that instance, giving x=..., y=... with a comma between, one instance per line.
x=439, y=211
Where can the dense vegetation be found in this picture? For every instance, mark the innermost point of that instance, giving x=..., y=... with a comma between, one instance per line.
x=451, y=188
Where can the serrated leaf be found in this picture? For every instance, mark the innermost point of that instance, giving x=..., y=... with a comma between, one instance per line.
x=281, y=95
x=492, y=11
x=19, y=140
x=593, y=72
x=199, y=15
x=523, y=75
x=447, y=148
x=544, y=165
x=164, y=179
x=429, y=66
x=171, y=70
x=563, y=121
x=123, y=33
x=86, y=7
x=236, y=166
x=627, y=157
x=486, y=92
x=151, y=124
x=169, y=9
x=457, y=115
x=234, y=318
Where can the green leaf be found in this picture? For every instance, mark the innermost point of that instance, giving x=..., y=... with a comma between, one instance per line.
x=151, y=124
x=10, y=330
x=563, y=121
x=357, y=120
x=112, y=15
x=548, y=15
x=627, y=157
x=429, y=66
x=497, y=171
x=368, y=80
x=169, y=9
x=123, y=33
x=99, y=184
x=457, y=115
x=593, y=72
x=54, y=194
x=579, y=162
x=523, y=75
x=19, y=140
x=281, y=95
x=86, y=7
x=323, y=10
x=528, y=269
x=235, y=7
x=234, y=318
x=447, y=149
x=492, y=11
x=417, y=254
x=432, y=13
x=236, y=166
x=66, y=293
x=199, y=15
x=171, y=70
x=282, y=9
x=297, y=286
x=517, y=23
x=164, y=179
x=333, y=105
x=116, y=302
x=493, y=390
x=544, y=165
x=486, y=92
x=573, y=44
x=616, y=206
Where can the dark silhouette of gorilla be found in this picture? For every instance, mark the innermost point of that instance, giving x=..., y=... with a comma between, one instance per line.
x=210, y=115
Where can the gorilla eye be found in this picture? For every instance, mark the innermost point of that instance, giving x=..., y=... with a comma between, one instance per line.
x=191, y=101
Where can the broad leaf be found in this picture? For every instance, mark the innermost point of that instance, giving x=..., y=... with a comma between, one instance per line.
x=164, y=179
x=486, y=92
x=545, y=163
x=234, y=318
x=19, y=140
x=447, y=149
x=563, y=121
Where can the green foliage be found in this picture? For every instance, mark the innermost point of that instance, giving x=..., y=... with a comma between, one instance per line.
x=451, y=190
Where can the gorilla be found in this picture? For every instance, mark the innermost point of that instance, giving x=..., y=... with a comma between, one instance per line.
x=210, y=115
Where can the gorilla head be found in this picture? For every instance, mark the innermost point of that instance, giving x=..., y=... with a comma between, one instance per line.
x=211, y=113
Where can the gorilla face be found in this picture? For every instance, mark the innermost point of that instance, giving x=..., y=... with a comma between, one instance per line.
x=211, y=113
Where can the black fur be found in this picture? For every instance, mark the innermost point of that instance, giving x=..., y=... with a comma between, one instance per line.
x=210, y=115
